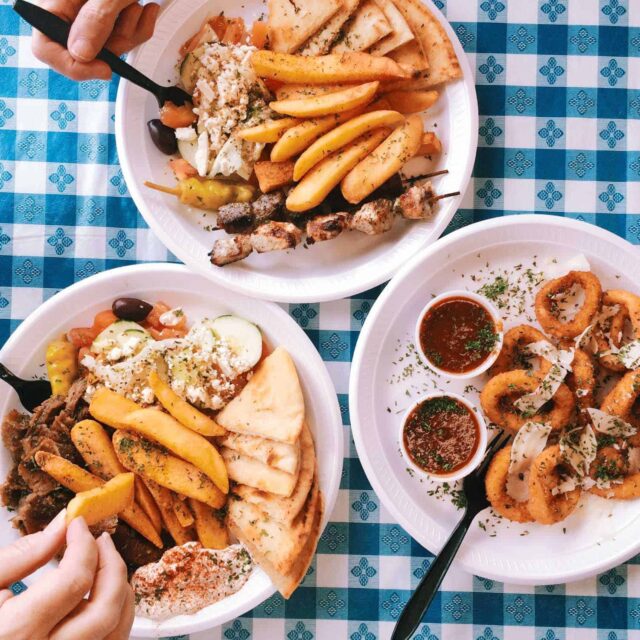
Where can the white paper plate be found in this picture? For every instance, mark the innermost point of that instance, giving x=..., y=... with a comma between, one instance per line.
x=174, y=284
x=589, y=541
x=326, y=271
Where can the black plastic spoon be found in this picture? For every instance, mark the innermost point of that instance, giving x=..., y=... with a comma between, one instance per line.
x=31, y=392
x=58, y=30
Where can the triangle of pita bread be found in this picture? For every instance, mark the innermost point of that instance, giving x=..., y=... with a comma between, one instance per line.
x=279, y=455
x=400, y=35
x=321, y=42
x=367, y=25
x=410, y=57
x=271, y=405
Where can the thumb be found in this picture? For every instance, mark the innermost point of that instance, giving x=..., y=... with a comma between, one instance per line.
x=92, y=27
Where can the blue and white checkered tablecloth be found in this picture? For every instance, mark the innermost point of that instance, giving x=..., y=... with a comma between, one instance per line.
x=559, y=92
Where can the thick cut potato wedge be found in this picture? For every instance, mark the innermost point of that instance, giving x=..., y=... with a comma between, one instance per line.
x=77, y=479
x=182, y=511
x=290, y=91
x=337, y=67
x=341, y=136
x=95, y=446
x=181, y=410
x=211, y=531
x=317, y=184
x=431, y=144
x=188, y=445
x=273, y=175
x=411, y=101
x=111, y=499
x=336, y=102
x=154, y=463
x=269, y=131
x=111, y=408
x=298, y=138
x=386, y=160
x=165, y=501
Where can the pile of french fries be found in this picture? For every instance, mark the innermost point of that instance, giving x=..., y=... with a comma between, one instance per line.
x=157, y=471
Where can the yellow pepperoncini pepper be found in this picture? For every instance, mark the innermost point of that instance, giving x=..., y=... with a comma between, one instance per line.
x=62, y=365
x=207, y=194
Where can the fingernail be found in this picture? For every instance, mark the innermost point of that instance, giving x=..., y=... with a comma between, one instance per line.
x=76, y=528
x=82, y=49
x=105, y=540
x=56, y=524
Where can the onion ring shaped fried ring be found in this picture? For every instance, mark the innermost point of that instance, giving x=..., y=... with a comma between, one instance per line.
x=582, y=379
x=629, y=304
x=498, y=393
x=620, y=400
x=496, y=486
x=511, y=356
x=544, y=476
x=546, y=304
x=610, y=464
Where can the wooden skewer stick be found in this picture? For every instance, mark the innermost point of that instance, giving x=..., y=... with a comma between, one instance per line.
x=159, y=187
x=444, y=195
x=427, y=175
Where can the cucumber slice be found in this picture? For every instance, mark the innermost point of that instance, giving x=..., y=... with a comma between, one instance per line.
x=187, y=149
x=243, y=336
x=188, y=72
x=125, y=336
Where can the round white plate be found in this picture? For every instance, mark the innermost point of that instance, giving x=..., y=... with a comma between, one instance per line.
x=174, y=284
x=600, y=533
x=326, y=271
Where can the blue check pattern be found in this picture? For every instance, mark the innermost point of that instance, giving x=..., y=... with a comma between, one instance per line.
x=558, y=86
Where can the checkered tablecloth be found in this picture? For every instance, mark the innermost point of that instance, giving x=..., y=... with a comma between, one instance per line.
x=558, y=86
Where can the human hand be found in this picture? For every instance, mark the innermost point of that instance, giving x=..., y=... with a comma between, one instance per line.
x=54, y=607
x=120, y=25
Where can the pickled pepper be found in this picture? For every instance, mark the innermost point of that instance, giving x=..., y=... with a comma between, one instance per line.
x=207, y=194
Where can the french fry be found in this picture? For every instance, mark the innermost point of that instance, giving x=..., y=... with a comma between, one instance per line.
x=269, y=131
x=336, y=102
x=290, y=91
x=164, y=499
x=181, y=410
x=387, y=159
x=430, y=145
x=95, y=505
x=298, y=138
x=154, y=463
x=348, y=67
x=188, y=445
x=111, y=408
x=273, y=175
x=411, y=101
x=182, y=511
x=95, y=446
x=211, y=531
x=77, y=480
x=341, y=136
x=317, y=184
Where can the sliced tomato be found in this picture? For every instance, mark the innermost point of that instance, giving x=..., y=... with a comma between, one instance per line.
x=81, y=336
x=103, y=320
x=166, y=333
x=259, y=33
x=175, y=116
x=272, y=85
x=219, y=25
x=152, y=321
x=234, y=33
x=182, y=169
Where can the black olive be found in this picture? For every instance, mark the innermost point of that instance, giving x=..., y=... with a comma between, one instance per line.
x=163, y=137
x=131, y=309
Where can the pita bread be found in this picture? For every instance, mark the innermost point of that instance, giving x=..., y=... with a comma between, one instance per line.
x=366, y=27
x=443, y=62
x=278, y=455
x=410, y=57
x=286, y=509
x=291, y=23
x=321, y=42
x=400, y=35
x=271, y=405
x=258, y=475
x=273, y=545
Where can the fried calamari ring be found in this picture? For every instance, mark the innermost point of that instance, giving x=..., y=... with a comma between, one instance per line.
x=496, y=486
x=621, y=399
x=582, y=379
x=629, y=304
x=544, y=475
x=611, y=464
x=499, y=393
x=511, y=355
x=546, y=305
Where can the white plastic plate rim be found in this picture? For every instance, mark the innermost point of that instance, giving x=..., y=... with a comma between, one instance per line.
x=76, y=305
x=564, y=563
x=327, y=271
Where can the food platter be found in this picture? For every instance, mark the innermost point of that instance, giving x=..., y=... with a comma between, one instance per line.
x=600, y=533
x=24, y=353
x=330, y=270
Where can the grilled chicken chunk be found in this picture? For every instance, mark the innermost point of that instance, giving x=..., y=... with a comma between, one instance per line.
x=416, y=202
x=373, y=218
x=236, y=217
x=230, y=249
x=267, y=206
x=275, y=236
x=326, y=227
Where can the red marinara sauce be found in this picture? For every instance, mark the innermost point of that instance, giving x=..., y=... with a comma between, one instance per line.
x=457, y=334
x=441, y=435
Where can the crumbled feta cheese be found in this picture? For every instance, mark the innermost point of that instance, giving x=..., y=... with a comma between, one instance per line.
x=172, y=317
x=188, y=134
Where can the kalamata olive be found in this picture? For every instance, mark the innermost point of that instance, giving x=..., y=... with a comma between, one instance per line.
x=131, y=309
x=163, y=137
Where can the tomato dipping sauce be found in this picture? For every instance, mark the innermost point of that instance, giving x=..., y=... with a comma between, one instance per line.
x=457, y=334
x=441, y=435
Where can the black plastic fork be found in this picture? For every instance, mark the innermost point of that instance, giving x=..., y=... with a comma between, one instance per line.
x=31, y=392
x=476, y=501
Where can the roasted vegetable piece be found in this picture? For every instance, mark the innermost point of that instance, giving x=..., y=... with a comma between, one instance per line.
x=62, y=365
x=174, y=116
x=207, y=194
x=95, y=505
x=273, y=175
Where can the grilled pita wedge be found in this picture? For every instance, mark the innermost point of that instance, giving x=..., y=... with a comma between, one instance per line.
x=271, y=405
x=400, y=35
x=281, y=509
x=291, y=24
x=279, y=455
x=366, y=27
x=321, y=42
x=411, y=58
x=258, y=475
x=443, y=62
